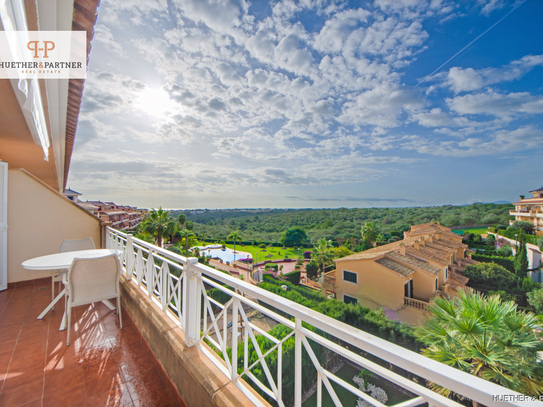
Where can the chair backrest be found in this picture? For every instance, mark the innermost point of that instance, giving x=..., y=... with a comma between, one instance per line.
x=93, y=279
x=77, y=244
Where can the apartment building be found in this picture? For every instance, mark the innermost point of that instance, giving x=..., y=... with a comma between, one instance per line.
x=530, y=210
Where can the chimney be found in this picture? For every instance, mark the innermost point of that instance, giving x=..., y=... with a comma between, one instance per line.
x=423, y=242
x=402, y=249
x=439, y=235
x=416, y=245
x=430, y=238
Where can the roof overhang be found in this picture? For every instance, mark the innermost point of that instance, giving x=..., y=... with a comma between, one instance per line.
x=59, y=100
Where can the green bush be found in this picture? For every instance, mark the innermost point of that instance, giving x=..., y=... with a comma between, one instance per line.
x=312, y=269
x=507, y=263
x=293, y=277
x=271, y=266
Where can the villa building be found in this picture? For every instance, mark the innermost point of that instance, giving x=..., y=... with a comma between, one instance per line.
x=410, y=272
x=530, y=210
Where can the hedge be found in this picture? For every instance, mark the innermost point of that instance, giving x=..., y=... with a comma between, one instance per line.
x=511, y=235
x=293, y=277
x=506, y=262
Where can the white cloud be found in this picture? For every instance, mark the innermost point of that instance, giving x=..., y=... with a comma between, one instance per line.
x=469, y=79
x=497, y=104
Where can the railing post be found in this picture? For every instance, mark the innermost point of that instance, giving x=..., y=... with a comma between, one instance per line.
x=192, y=299
x=298, y=364
x=128, y=256
x=150, y=273
x=235, y=322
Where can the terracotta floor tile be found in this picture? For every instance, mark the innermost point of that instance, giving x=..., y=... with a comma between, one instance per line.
x=22, y=394
x=151, y=398
x=19, y=377
x=116, y=397
x=9, y=334
x=136, y=367
x=106, y=381
x=35, y=350
x=35, y=403
x=35, y=327
x=91, y=371
x=64, y=398
x=64, y=379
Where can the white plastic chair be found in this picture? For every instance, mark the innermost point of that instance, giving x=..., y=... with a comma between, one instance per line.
x=92, y=280
x=69, y=246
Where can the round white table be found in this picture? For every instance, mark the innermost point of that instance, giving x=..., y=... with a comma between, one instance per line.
x=64, y=260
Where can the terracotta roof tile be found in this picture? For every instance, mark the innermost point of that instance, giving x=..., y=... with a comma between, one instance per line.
x=399, y=268
x=413, y=262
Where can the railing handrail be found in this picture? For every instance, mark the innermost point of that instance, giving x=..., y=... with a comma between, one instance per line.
x=456, y=380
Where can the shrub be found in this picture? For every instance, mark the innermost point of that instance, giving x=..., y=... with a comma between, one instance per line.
x=271, y=266
x=307, y=254
x=293, y=277
x=506, y=263
x=505, y=251
x=312, y=269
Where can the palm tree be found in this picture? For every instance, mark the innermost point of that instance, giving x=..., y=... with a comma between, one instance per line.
x=369, y=233
x=323, y=253
x=235, y=237
x=182, y=219
x=486, y=337
x=187, y=236
x=158, y=224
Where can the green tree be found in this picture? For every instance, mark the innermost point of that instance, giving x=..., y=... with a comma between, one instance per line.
x=486, y=337
x=182, y=219
x=235, y=237
x=158, y=223
x=526, y=227
x=535, y=299
x=187, y=237
x=521, y=258
x=294, y=237
x=370, y=233
x=323, y=253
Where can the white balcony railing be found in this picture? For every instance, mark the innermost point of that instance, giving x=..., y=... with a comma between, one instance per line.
x=178, y=287
x=519, y=213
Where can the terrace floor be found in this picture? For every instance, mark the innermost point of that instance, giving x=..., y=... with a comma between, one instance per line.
x=103, y=366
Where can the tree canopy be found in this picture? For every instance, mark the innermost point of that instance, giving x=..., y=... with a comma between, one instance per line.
x=294, y=237
x=486, y=337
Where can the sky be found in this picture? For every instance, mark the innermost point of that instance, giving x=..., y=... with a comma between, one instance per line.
x=311, y=104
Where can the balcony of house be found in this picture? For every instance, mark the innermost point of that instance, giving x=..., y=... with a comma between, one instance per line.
x=524, y=213
x=193, y=335
x=204, y=324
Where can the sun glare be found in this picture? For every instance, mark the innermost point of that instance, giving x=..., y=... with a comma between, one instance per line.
x=156, y=102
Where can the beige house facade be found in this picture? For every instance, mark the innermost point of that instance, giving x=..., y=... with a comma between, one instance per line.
x=410, y=272
x=530, y=210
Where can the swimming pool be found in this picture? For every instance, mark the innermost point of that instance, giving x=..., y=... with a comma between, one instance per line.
x=226, y=255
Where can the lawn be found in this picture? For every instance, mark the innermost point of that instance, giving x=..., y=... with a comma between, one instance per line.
x=276, y=252
x=475, y=231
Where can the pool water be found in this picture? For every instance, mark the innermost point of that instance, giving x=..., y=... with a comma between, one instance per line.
x=226, y=255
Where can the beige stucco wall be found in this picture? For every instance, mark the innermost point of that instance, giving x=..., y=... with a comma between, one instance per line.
x=375, y=283
x=39, y=219
x=424, y=285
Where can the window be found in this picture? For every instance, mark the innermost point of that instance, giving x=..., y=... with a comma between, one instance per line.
x=436, y=284
x=349, y=300
x=446, y=273
x=350, y=276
